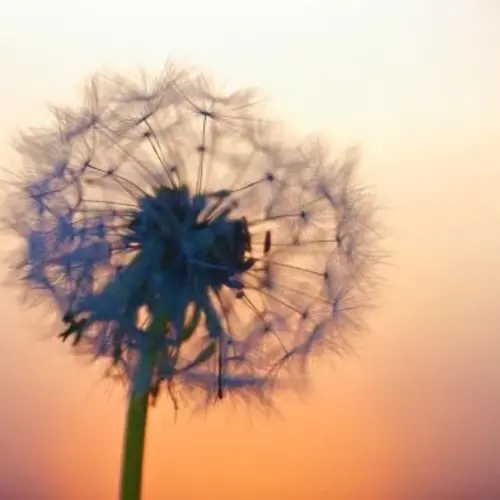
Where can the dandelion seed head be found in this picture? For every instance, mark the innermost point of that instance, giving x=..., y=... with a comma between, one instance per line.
x=166, y=214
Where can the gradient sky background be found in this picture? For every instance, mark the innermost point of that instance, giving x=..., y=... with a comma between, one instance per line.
x=416, y=413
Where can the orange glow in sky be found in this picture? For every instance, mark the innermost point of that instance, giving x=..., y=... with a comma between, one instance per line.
x=415, y=413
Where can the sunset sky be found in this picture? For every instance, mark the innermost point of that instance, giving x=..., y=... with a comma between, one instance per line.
x=415, y=413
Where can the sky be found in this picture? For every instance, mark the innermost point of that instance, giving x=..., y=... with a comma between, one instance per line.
x=414, y=413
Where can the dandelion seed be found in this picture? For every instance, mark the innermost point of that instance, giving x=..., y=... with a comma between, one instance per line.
x=167, y=218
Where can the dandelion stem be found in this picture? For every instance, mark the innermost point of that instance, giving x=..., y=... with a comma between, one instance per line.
x=135, y=430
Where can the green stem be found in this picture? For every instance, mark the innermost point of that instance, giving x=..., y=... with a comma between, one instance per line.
x=135, y=430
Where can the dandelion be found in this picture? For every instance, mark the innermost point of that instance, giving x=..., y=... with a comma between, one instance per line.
x=182, y=239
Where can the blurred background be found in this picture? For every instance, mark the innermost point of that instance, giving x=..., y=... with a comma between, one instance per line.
x=416, y=412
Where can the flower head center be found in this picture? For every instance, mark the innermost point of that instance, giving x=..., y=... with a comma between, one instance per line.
x=194, y=235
